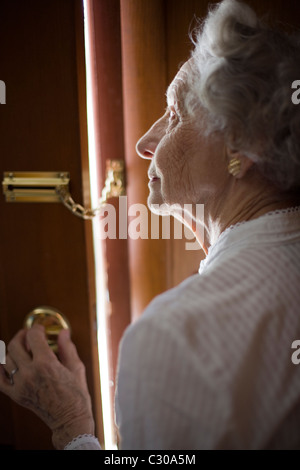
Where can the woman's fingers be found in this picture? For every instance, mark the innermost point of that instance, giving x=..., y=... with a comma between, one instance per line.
x=17, y=356
x=5, y=383
x=10, y=366
x=37, y=343
x=68, y=355
x=16, y=349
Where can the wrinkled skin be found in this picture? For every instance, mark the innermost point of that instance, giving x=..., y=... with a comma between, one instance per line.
x=189, y=168
x=55, y=390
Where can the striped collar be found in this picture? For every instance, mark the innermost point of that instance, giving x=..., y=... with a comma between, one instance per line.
x=276, y=227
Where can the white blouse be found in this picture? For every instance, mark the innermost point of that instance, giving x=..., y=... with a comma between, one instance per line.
x=208, y=365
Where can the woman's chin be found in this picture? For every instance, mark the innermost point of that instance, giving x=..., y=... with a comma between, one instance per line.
x=154, y=202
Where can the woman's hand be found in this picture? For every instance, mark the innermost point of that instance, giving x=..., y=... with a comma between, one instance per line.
x=54, y=390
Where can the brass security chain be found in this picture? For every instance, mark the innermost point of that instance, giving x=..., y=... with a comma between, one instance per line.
x=114, y=187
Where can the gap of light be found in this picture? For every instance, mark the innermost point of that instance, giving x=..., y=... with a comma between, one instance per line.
x=101, y=286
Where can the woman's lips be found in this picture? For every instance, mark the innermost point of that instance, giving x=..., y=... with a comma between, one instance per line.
x=152, y=176
x=153, y=179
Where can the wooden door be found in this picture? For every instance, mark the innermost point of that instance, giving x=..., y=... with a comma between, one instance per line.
x=46, y=252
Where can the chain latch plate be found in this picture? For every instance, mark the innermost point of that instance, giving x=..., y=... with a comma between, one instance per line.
x=36, y=186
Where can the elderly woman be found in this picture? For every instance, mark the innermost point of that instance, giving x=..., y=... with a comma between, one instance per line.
x=208, y=365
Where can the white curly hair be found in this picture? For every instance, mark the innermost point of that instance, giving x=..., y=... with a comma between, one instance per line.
x=243, y=80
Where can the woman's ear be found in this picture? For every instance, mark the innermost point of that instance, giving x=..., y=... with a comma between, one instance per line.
x=238, y=163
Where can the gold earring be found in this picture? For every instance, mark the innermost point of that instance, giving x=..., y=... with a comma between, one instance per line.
x=234, y=166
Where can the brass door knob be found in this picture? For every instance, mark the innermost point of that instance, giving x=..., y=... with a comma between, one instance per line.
x=51, y=319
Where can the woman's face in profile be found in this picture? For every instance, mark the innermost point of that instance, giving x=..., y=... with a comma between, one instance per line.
x=186, y=167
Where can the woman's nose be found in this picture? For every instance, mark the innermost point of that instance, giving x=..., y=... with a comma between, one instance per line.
x=145, y=147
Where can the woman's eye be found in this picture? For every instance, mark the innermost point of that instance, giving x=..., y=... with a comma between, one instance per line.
x=173, y=118
x=172, y=115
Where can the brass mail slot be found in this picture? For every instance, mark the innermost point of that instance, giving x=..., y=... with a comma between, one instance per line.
x=35, y=186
